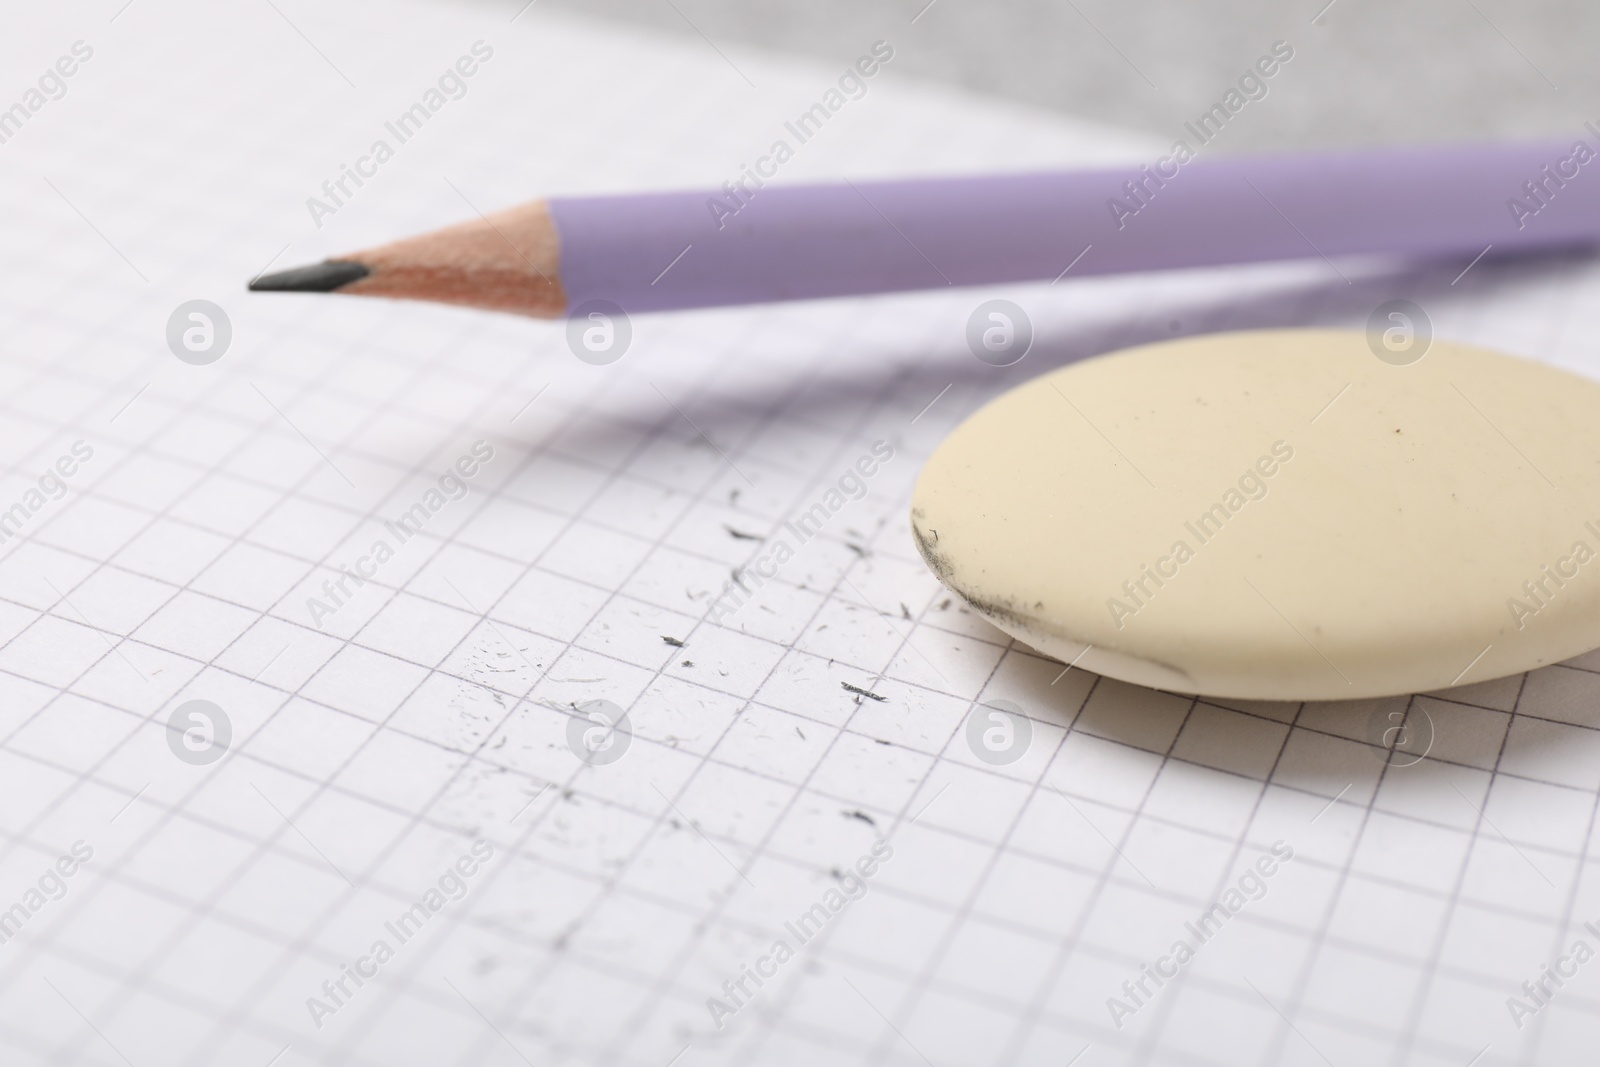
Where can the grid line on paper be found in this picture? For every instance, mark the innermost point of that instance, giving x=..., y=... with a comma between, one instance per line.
x=304, y=943
x=1029, y=1019
x=44, y=943
x=1152, y=1041
x=804, y=492
x=83, y=778
x=1040, y=857
x=237, y=1015
x=925, y=977
x=538, y=979
x=1297, y=991
x=753, y=1048
x=1565, y=923
x=198, y=913
x=1430, y=969
x=214, y=596
x=1446, y=700
x=659, y=429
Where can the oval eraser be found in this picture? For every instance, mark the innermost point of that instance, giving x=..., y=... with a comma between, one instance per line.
x=1279, y=515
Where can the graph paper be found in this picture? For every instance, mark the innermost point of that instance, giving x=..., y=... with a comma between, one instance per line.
x=391, y=760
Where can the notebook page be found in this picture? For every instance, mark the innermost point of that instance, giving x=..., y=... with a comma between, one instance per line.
x=399, y=828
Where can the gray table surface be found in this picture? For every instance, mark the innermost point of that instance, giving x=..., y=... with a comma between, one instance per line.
x=1365, y=71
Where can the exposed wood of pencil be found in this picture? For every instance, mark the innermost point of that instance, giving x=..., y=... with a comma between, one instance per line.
x=508, y=261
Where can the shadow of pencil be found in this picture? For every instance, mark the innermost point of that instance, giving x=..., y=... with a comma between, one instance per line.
x=1078, y=323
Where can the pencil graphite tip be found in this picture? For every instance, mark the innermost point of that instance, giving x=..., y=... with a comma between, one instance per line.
x=324, y=277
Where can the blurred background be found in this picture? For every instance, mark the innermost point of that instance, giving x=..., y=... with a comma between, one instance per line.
x=1365, y=72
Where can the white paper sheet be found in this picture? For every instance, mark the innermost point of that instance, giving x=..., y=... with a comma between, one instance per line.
x=372, y=747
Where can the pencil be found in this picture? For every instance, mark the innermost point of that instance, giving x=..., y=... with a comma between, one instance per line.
x=755, y=242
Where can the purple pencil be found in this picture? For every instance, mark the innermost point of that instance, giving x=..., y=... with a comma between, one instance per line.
x=751, y=243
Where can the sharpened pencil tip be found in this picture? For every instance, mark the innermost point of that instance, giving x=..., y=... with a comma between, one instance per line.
x=322, y=277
